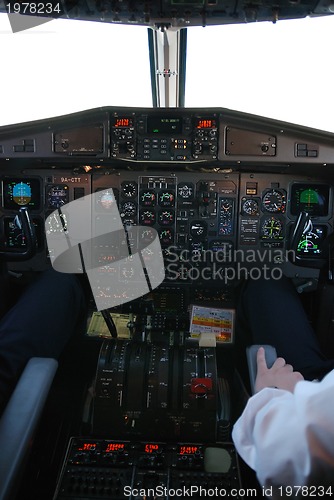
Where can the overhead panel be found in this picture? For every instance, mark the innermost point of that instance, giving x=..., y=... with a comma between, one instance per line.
x=171, y=13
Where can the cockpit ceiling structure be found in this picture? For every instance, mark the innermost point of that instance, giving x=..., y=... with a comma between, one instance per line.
x=179, y=13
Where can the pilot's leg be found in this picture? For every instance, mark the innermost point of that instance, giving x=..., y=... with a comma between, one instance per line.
x=39, y=324
x=271, y=312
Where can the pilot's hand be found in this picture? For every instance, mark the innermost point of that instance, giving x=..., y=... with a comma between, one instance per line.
x=280, y=375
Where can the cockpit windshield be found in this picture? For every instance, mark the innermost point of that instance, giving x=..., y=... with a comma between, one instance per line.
x=278, y=70
x=65, y=66
x=166, y=200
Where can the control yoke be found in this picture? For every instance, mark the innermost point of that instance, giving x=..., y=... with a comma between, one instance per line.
x=30, y=236
x=302, y=225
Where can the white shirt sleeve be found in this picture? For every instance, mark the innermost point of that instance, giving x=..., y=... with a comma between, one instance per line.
x=288, y=439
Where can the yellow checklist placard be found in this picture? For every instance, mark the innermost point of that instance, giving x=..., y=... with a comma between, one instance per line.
x=218, y=321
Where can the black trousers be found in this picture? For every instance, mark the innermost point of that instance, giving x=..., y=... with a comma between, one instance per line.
x=270, y=312
x=40, y=323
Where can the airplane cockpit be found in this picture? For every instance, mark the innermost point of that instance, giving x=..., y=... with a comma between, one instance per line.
x=164, y=212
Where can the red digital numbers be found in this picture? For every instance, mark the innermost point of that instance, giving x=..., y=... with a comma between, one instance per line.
x=202, y=123
x=188, y=450
x=88, y=447
x=114, y=447
x=150, y=448
x=122, y=122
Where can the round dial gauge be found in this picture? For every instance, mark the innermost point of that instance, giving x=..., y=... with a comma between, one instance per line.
x=147, y=217
x=128, y=208
x=166, y=217
x=271, y=228
x=129, y=189
x=250, y=207
x=274, y=201
x=147, y=198
x=185, y=191
x=106, y=199
x=166, y=236
x=147, y=234
x=198, y=229
x=166, y=199
x=57, y=196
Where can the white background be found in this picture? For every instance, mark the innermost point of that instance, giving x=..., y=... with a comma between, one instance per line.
x=283, y=70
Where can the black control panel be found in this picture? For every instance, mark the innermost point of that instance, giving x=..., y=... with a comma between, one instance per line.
x=158, y=391
x=212, y=226
x=121, y=469
x=167, y=13
x=164, y=138
x=195, y=216
x=216, y=137
x=218, y=186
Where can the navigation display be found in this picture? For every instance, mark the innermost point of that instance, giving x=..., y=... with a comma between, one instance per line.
x=21, y=193
x=166, y=125
x=310, y=198
x=310, y=243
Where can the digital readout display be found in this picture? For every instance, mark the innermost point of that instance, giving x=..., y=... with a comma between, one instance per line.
x=187, y=449
x=21, y=193
x=310, y=243
x=123, y=122
x=151, y=447
x=114, y=447
x=14, y=234
x=205, y=123
x=164, y=125
x=88, y=447
x=310, y=198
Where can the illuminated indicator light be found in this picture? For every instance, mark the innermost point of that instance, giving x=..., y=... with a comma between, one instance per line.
x=205, y=124
x=122, y=122
x=188, y=450
x=114, y=447
x=149, y=448
x=88, y=447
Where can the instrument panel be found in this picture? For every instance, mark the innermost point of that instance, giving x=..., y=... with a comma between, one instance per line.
x=104, y=468
x=212, y=227
x=222, y=189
